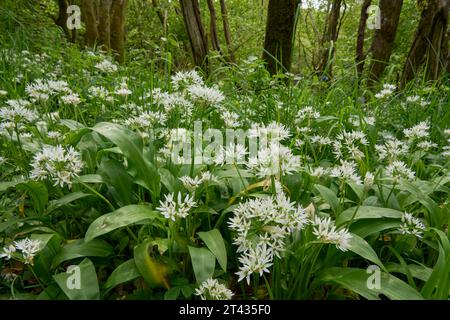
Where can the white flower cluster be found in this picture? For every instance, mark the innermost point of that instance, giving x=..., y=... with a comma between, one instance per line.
x=191, y=184
x=346, y=172
x=58, y=164
x=17, y=115
x=28, y=247
x=418, y=131
x=178, y=208
x=183, y=79
x=348, y=145
x=387, y=90
x=41, y=90
x=203, y=94
x=398, y=170
x=262, y=224
x=306, y=113
x=211, y=289
x=392, y=149
x=106, y=66
x=412, y=225
x=325, y=231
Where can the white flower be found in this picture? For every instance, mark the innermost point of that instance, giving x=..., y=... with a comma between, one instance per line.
x=98, y=92
x=211, y=289
x=418, y=131
x=276, y=160
x=349, y=145
x=29, y=248
x=179, y=208
x=183, y=79
x=58, y=164
x=201, y=93
x=106, y=66
x=72, y=99
x=346, y=172
x=392, y=149
x=3, y=93
x=387, y=90
x=231, y=119
x=306, y=113
x=8, y=252
x=255, y=260
x=398, y=169
x=325, y=230
x=18, y=114
x=273, y=133
x=412, y=225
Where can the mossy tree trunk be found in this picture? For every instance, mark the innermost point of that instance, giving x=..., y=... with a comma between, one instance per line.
x=226, y=30
x=104, y=24
x=118, y=28
x=360, y=54
x=89, y=17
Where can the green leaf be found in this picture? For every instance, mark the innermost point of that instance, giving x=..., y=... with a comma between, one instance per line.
x=91, y=178
x=357, y=280
x=367, y=227
x=131, y=146
x=118, y=180
x=172, y=293
x=79, y=248
x=214, y=241
x=50, y=246
x=38, y=193
x=79, y=282
x=329, y=196
x=360, y=246
x=118, y=219
x=438, y=284
x=5, y=185
x=153, y=272
x=366, y=212
x=125, y=272
x=203, y=263
x=66, y=200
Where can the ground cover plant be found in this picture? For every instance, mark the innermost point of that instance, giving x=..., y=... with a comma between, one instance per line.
x=158, y=179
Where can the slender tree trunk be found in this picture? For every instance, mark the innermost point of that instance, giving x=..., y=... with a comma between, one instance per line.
x=194, y=27
x=162, y=16
x=384, y=38
x=226, y=30
x=213, y=27
x=104, y=24
x=279, y=34
x=329, y=39
x=360, y=54
x=434, y=17
x=88, y=11
x=118, y=28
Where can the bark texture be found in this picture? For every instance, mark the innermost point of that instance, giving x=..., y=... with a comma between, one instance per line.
x=118, y=28
x=279, y=34
x=226, y=30
x=89, y=17
x=360, y=54
x=384, y=38
x=429, y=44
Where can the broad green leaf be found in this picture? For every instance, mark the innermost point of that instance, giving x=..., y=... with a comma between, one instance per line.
x=131, y=145
x=153, y=272
x=214, y=241
x=66, y=200
x=417, y=271
x=329, y=196
x=172, y=293
x=125, y=272
x=79, y=282
x=360, y=246
x=5, y=185
x=438, y=284
x=358, y=281
x=91, y=178
x=367, y=227
x=50, y=246
x=38, y=193
x=120, y=218
x=203, y=263
x=118, y=180
x=367, y=213
x=80, y=248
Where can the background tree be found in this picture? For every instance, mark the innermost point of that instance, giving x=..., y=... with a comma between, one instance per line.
x=194, y=27
x=279, y=35
x=384, y=38
x=360, y=54
x=430, y=43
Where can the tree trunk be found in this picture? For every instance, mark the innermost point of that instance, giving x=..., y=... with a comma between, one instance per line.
x=104, y=24
x=118, y=28
x=360, y=55
x=88, y=11
x=384, y=38
x=279, y=34
x=213, y=27
x=329, y=39
x=434, y=17
x=61, y=19
x=162, y=16
x=194, y=27
x=226, y=30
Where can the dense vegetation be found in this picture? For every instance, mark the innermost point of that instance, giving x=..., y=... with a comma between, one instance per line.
x=333, y=185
